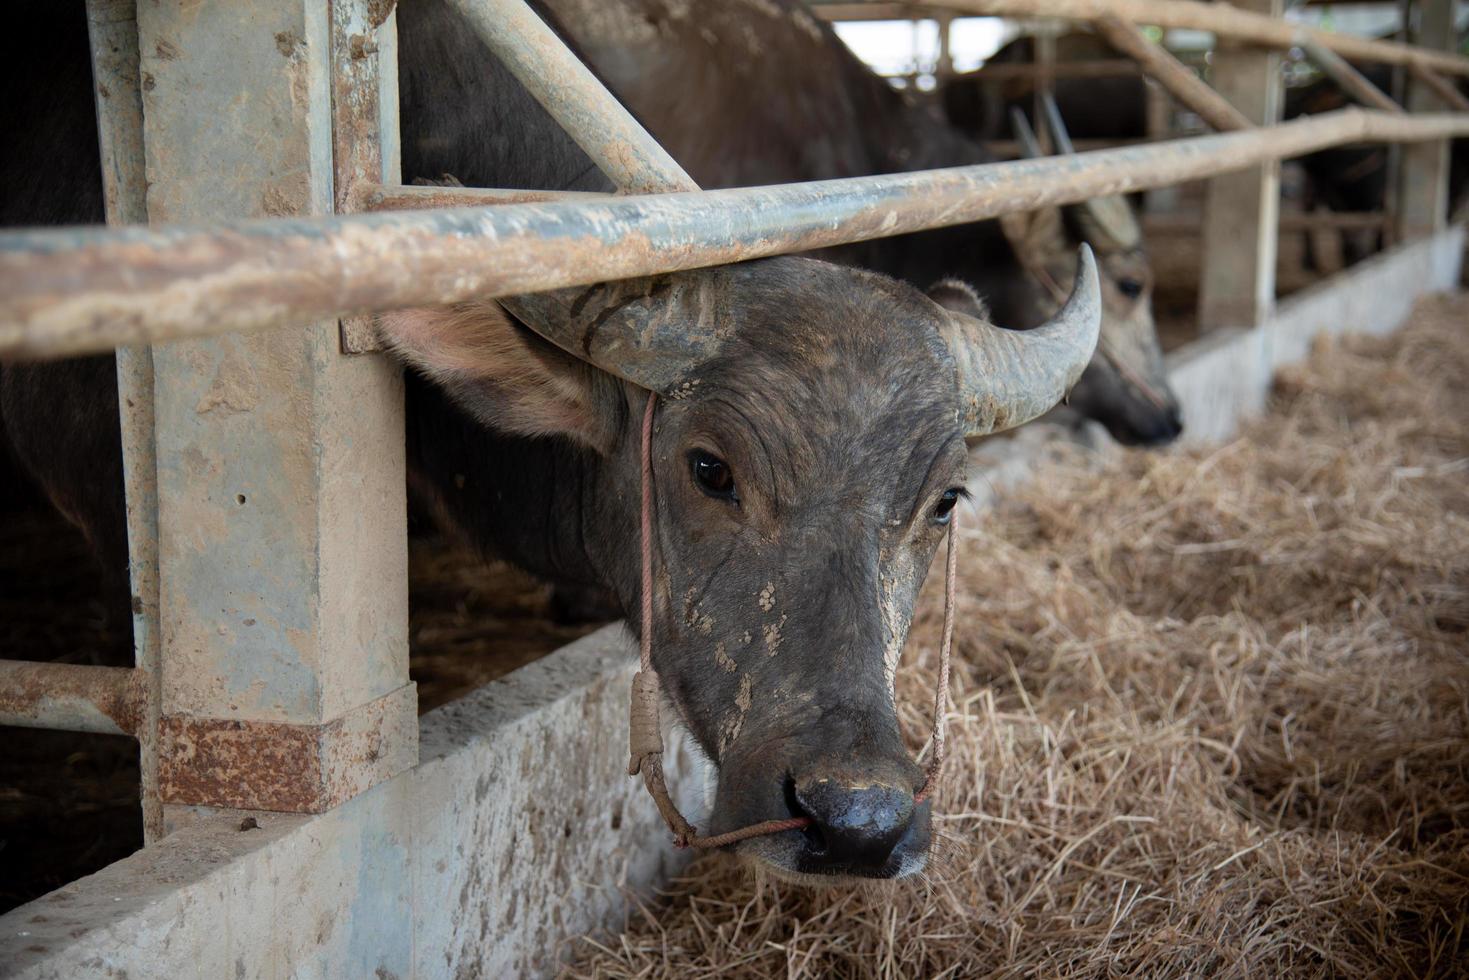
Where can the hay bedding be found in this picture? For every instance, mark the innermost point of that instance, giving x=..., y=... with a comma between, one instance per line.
x=1212, y=716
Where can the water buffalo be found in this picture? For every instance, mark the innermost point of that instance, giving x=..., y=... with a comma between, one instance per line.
x=751, y=92
x=808, y=450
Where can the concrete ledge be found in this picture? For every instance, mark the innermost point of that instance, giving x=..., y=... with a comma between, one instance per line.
x=1225, y=377
x=517, y=829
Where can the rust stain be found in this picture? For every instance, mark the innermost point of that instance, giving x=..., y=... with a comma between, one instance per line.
x=286, y=43
x=249, y=765
x=117, y=693
x=280, y=766
x=378, y=11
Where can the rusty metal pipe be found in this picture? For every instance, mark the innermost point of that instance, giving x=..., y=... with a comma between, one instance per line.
x=558, y=80
x=1219, y=19
x=415, y=197
x=71, y=697
x=71, y=291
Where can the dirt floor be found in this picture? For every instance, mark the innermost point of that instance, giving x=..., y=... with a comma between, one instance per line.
x=1212, y=716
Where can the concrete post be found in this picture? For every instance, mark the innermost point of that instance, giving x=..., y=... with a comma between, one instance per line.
x=1423, y=170
x=1237, y=286
x=282, y=552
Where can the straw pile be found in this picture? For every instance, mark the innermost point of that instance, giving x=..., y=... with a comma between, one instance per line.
x=1212, y=716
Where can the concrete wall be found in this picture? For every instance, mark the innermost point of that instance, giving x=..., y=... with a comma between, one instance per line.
x=517, y=829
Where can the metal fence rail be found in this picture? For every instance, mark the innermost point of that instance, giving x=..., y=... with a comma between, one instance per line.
x=1219, y=19
x=76, y=291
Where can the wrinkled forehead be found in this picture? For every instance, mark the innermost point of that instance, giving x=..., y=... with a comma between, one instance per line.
x=833, y=354
x=797, y=315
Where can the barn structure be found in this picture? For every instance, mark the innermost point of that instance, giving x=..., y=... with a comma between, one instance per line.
x=301, y=818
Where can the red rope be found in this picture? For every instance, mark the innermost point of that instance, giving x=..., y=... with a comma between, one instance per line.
x=647, y=745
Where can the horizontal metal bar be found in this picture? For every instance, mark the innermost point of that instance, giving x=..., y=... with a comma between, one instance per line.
x=71, y=697
x=1219, y=19
x=1190, y=222
x=1027, y=71
x=71, y=291
x=415, y=197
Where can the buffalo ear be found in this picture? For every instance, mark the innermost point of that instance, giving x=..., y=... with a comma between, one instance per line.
x=959, y=297
x=504, y=375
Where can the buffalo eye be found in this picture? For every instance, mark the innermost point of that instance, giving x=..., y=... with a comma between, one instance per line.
x=712, y=475
x=1131, y=288
x=945, y=506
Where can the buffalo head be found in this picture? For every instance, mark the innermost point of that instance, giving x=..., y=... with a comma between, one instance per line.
x=807, y=452
x=1126, y=386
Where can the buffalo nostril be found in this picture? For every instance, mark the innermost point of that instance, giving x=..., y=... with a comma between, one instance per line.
x=815, y=839
x=854, y=829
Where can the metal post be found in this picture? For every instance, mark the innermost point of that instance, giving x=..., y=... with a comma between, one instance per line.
x=113, y=29
x=1237, y=286
x=282, y=551
x=1423, y=171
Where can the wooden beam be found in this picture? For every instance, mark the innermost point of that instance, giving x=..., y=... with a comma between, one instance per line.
x=1351, y=81
x=1451, y=97
x=1237, y=288
x=1167, y=71
x=1423, y=171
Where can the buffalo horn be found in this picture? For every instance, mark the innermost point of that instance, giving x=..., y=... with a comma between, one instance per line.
x=1008, y=377
x=1106, y=221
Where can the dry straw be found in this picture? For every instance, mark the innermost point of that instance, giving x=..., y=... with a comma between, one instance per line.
x=1211, y=716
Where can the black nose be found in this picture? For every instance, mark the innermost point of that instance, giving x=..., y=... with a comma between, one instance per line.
x=854, y=829
x=1156, y=428
x=1174, y=424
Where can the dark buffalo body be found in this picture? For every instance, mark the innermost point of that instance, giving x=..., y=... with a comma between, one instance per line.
x=754, y=92
x=803, y=479
x=1353, y=178
x=1110, y=108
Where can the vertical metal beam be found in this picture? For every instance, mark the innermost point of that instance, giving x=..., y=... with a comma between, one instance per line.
x=1044, y=50
x=282, y=549
x=944, y=68
x=113, y=28
x=1423, y=170
x=1237, y=285
x=365, y=147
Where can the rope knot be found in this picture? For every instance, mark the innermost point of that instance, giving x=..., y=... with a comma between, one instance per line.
x=644, y=737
